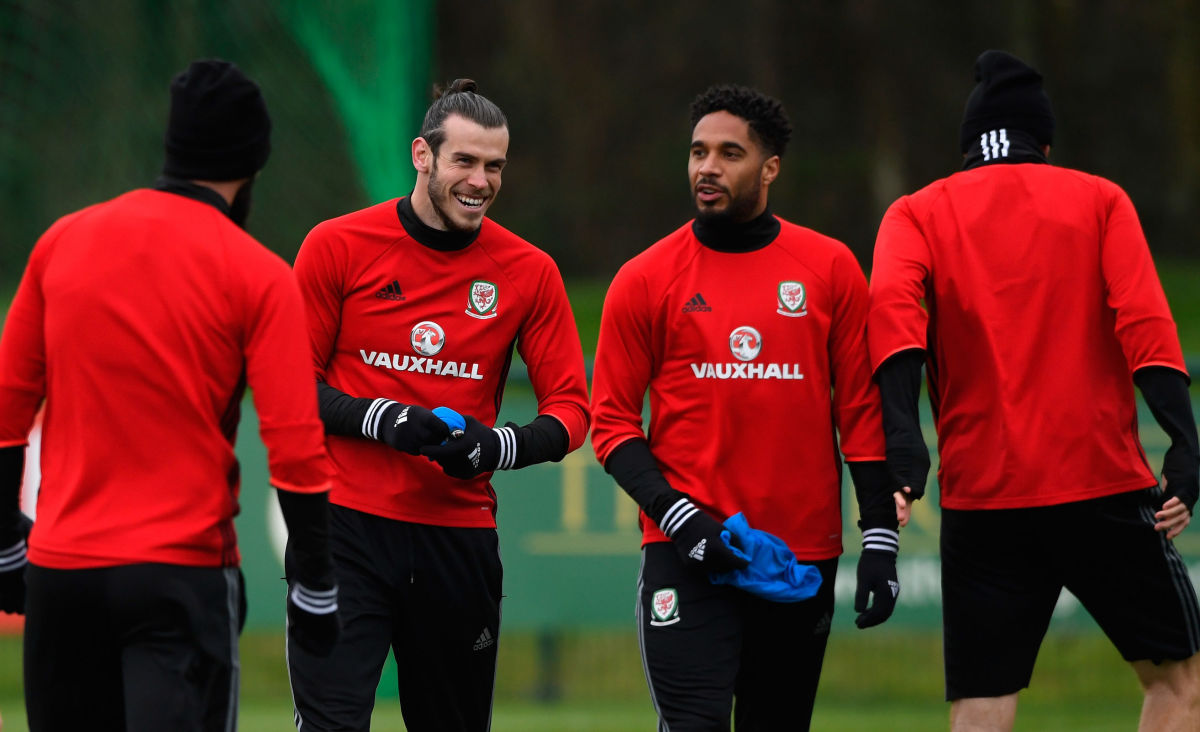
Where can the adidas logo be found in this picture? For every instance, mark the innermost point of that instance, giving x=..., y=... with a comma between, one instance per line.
x=391, y=292
x=697, y=551
x=484, y=640
x=697, y=305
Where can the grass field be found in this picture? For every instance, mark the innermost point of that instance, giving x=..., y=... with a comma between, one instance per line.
x=874, y=680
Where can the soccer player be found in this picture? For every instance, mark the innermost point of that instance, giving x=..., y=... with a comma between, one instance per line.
x=140, y=322
x=1042, y=311
x=748, y=331
x=413, y=303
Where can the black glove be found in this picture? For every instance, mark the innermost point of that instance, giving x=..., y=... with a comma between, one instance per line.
x=1179, y=470
x=877, y=576
x=406, y=427
x=479, y=450
x=908, y=462
x=697, y=539
x=313, y=618
x=12, y=578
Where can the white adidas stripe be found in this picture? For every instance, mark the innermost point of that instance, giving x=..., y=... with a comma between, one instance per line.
x=884, y=540
x=316, y=602
x=370, y=425
x=508, y=447
x=677, y=516
x=13, y=557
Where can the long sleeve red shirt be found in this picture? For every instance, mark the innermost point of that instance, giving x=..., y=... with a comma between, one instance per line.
x=757, y=371
x=1040, y=300
x=140, y=321
x=391, y=317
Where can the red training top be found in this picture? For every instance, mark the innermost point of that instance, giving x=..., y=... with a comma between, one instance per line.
x=392, y=317
x=1041, y=301
x=741, y=352
x=141, y=320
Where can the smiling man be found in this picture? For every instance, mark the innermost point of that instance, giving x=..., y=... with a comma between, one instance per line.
x=748, y=332
x=414, y=303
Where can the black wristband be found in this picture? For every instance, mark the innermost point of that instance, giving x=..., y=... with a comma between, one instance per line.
x=873, y=489
x=899, y=379
x=542, y=440
x=1165, y=391
x=633, y=466
x=12, y=471
x=350, y=416
x=307, y=519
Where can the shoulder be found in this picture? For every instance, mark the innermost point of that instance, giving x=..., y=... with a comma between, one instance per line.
x=379, y=218
x=99, y=211
x=811, y=245
x=665, y=258
x=507, y=247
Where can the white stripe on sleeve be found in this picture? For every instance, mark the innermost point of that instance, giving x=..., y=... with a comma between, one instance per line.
x=508, y=447
x=370, y=425
x=13, y=558
x=884, y=540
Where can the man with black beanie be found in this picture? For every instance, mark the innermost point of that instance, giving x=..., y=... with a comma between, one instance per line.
x=137, y=326
x=1042, y=310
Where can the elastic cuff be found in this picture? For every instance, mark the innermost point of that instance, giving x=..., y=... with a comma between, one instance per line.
x=508, y=447
x=370, y=423
x=13, y=558
x=883, y=540
x=677, y=515
x=314, y=602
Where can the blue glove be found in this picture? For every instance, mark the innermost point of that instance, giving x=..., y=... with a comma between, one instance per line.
x=773, y=572
x=454, y=421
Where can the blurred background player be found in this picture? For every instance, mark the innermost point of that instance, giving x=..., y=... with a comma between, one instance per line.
x=140, y=322
x=1042, y=310
x=741, y=325
x=414, y=303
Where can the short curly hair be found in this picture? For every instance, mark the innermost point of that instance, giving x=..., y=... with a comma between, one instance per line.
x=765, y=114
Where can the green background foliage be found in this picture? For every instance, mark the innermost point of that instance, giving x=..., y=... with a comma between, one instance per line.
x=596, y=93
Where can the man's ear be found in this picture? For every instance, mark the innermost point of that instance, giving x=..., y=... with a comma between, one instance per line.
x=422, y=155
x=770, y=170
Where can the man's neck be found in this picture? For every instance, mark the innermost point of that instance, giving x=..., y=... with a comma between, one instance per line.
x=423, y=207
x=226, y=189
x=724, y=235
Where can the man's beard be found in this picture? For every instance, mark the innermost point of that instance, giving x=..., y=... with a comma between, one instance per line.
x=239, y=210
x=739, y=210
x=433, y=192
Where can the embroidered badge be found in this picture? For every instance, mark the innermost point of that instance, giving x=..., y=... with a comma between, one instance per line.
x=793, y=299
x=481, y=300
x=664, y=607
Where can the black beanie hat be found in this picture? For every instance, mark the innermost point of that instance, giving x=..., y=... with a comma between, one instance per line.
x=1009, y=94
x=218, y=129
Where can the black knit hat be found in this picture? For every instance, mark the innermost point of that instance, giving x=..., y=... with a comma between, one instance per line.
x=1009, y=94
x=219, y=129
